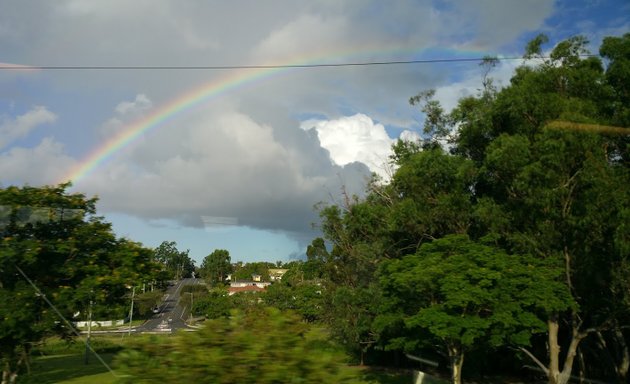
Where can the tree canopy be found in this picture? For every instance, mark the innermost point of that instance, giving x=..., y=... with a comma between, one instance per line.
x=176, y=263
x=536, y=173
x=216, y=266
x=71, y=257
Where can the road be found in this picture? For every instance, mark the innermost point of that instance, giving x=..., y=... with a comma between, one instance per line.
x=171, y=316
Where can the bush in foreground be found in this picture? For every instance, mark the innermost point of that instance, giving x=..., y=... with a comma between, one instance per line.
x=265, y=346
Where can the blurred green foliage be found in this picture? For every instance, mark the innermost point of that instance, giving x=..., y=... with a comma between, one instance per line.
x=261, y=346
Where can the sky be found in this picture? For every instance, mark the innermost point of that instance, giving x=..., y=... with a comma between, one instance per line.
x=238, y=159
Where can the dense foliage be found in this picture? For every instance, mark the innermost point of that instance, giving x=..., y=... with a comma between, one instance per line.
x=264, y=346
x=216, y=266
x=175, y=264
x=71, y=257
x=516, y=236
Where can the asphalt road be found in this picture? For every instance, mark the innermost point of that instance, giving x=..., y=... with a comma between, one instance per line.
x=172, y=315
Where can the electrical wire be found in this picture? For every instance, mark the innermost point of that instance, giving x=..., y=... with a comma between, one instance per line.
x=15, y=67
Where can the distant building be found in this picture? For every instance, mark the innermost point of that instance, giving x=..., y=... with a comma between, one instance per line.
x=275, y=274
x=256, y=277
x=248, y=283
x=247, y=288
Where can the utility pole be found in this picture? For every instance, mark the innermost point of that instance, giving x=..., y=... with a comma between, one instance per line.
x=133, y=293
x=192, y=304
x=87, y=342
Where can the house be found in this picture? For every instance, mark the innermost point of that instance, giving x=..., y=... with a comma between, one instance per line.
x=247, y=288
x=254, y=285
x=249, y=283
x=275, y=274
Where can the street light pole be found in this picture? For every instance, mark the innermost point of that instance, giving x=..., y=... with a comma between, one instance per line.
x=133, y=293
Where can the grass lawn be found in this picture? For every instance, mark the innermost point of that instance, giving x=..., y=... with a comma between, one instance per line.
x=68, y=369
x=58, y=361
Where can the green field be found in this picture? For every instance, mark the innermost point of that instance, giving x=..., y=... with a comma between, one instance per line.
x=69, y=369
x=59, y=361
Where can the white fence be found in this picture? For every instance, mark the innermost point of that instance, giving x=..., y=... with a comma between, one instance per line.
x=99, y=323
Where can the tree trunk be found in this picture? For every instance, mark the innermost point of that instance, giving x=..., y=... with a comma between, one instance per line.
x=554, y=374
x=554, y=351
x=8, y=377
x=624, y=364
x=582, y=368
x=565, y=375
x=456, y=355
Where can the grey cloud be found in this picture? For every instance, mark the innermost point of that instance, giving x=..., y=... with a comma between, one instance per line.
x=164, y=32
x=242, y=154
x=226, y=165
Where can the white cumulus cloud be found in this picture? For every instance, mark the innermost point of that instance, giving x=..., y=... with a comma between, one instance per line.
x=140, y=104
x=354, y=138
x=44, y=164
x=127, y=112
x=12, y=129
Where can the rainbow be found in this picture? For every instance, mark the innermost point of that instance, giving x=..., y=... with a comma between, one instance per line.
x=166, y=112
x=197, y=96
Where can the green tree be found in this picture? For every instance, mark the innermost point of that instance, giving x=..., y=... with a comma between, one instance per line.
x=433, y=198
x=469, y=295
x=245, y=271
x=215, y=304
x=615, y=103
x=350, y=315
x=216, y=266
x=176, y=262
x=536, y=167
x=558, y=191
x=265, y=346
x=191, y=294
x=71, y=257
x=356, y=232
x=304, y=298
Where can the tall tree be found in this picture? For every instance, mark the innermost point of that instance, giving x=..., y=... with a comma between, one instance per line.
x=177, y=263
x=216, y=266
x=557, y=191
x=535, y=166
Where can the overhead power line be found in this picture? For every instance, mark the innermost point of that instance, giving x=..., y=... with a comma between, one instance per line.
x=15, y=67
